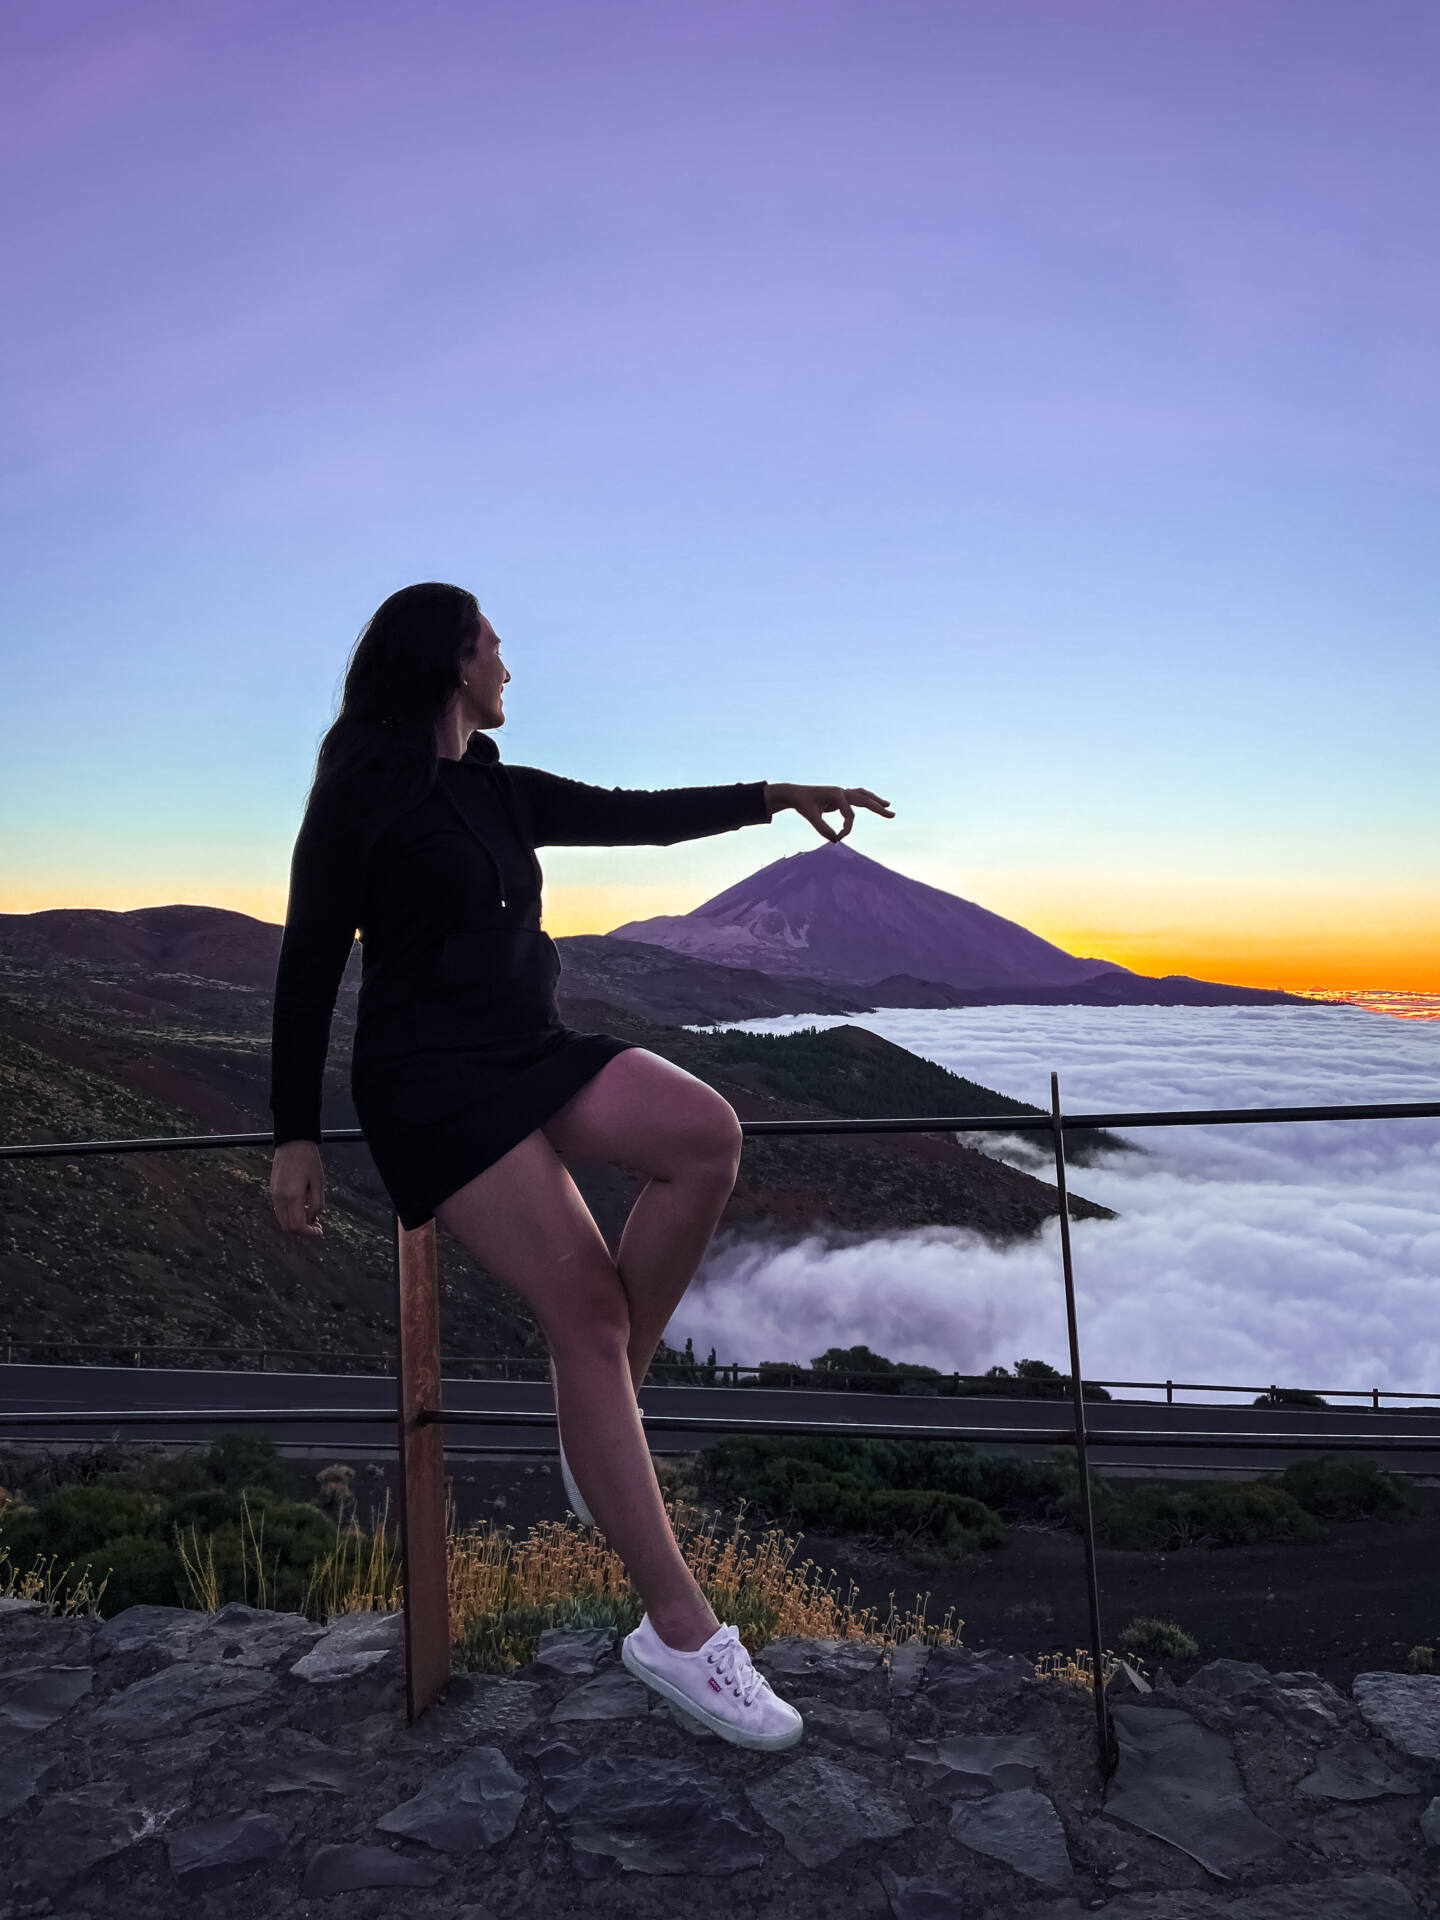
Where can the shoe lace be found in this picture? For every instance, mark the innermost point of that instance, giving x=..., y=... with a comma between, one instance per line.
x=735, y=1666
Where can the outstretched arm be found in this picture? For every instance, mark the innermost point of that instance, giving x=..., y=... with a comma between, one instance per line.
x=569, y=813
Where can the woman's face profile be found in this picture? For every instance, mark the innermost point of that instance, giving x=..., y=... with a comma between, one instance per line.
x=484, y=675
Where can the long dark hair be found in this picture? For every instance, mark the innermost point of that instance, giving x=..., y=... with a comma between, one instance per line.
x=405, y=667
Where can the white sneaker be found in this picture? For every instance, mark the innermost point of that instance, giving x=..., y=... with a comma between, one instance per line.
x=716, y=1685
x=572, y=1493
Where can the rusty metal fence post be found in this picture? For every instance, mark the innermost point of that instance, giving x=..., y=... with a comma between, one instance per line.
x=1104, y=1730
x=422, y=1469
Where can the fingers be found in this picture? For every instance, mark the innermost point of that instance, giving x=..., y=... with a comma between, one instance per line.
x=299, y=1211
x=822, y=826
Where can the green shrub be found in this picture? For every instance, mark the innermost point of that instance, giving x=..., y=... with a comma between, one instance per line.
x=1157, y=1640
x=1335, y=1488
x=1210, y=1514
x=73, y=1522
x=1289, y=1397
x=143, y=1570
x=230, y=1501
x=856, y=1486
x=1031, y=1380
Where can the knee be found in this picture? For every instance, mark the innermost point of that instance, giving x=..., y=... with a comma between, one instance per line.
x=712, y=1141
x=592, y=1311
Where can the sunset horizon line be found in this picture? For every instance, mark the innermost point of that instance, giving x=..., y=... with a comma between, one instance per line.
x=1152, y=956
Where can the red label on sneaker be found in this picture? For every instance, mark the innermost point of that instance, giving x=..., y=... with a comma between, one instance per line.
x=716, y=1686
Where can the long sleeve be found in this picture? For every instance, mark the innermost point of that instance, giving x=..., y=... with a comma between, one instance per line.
x=568, y=813
x=320, y=922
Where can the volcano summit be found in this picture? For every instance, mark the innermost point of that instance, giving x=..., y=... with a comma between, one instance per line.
x=835, y=915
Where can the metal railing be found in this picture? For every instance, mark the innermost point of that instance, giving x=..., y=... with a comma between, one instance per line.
x=422, y=1417
x=520, y=1367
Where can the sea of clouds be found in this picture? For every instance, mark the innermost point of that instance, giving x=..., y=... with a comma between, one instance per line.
x=1305, y=1254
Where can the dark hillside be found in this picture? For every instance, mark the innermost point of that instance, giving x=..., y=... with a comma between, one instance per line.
x=179, y=1248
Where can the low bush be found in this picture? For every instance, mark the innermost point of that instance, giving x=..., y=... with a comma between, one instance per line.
x=1336, y=1488
x=1158, y=1640
x=1210, y=1514
x=230, y=1501
x=899, y=1490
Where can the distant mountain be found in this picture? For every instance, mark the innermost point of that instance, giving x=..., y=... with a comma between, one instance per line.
x=838, y=915
x=840, y=918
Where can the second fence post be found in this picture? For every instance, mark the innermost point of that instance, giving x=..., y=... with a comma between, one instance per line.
x=422, y=1470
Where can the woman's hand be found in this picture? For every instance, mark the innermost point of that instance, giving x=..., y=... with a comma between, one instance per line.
x=297, y=1186
x=813, y=802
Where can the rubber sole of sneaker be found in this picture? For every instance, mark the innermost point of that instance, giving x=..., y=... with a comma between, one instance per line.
x=768, y=1742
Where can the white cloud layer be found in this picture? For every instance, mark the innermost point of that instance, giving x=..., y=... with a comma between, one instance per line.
x=1307, y=1254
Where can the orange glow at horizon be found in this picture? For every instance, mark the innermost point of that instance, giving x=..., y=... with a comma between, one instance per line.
x=1341, y=938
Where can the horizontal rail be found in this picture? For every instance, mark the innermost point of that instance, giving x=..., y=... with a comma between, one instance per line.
x=720, y=1424
x=726, y=1373
x=935, y=1123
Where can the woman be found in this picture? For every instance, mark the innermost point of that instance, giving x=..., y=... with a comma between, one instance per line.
x=471, y=1090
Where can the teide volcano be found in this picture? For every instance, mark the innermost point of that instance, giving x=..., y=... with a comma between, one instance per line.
x=834, y=915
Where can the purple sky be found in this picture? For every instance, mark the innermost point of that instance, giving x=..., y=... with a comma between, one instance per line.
x=1028, y=411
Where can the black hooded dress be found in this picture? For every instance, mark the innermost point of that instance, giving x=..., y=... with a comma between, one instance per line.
x=460, y=1051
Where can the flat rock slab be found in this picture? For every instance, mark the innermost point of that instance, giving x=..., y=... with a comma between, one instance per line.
x=166, y=1702
x=965, y=1685
x=1363, y=1896
x=822, y=1809
x=166, y=1630
x=923, y=1897
x=488, y=1703
x=306, y=1773
x=847, y=1726
x=989, y=1762
x=74, y=1832
x=216, y=1853
x=354, y=1869
x=907, y=1668
x=36, y=1697
x=251, y=1637
x=350, y=1646
x=1302, y=1701
x=1021, y=1828
x=1354, y=1770
x=1404, y=1708
x=22, y=1777
x=648, y=1815
x=793, y=1658
x=1178, y=1781
x=29, y=1637
x=616, y=1695
x=475, y=1802
x=573, y=1651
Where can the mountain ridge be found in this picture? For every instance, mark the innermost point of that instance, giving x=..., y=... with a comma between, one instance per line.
x=836, y=916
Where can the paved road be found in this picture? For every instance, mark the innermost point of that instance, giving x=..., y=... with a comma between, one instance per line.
x=310, y=1410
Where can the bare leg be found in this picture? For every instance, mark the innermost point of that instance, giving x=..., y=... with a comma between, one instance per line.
x=525, y=1221
x=645, y=1112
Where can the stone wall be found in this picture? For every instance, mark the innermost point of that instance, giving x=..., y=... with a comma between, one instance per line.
x=248, y=1763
